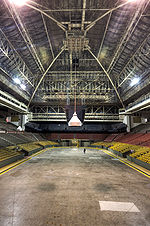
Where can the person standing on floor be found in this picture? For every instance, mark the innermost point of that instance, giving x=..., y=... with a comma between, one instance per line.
x=84, y=150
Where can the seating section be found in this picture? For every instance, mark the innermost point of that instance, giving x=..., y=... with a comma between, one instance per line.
x=127, y=150
x=103, y=144
x=142, y=139
x=30, y=148
x=38, y=136
x=142, y=153
x=4, y=126
x=110, y=137
x=7, y=139
x=130, y=138
x=14, y=153
x=47, y=143
x=9, y=155
x=145, y=157
x=134, y=138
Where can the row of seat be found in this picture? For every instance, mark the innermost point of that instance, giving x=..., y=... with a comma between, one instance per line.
x=5, y=153
x=14, y=153
x=135, y=151
x=7, y=139
x=130, y=138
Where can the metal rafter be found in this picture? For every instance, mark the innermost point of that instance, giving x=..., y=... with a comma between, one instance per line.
x=105, y=14
x=17, y=59
x=142, y=44
x=127, y=35
x=73, y=10
x=104, y=35
x=25, y=31
x=83, y=15
x=53, y=19
x=45, y=74
x=107, y=75
x=48, y=37
x=25, y=37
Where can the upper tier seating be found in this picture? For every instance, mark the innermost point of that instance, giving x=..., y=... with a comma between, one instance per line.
x=110, y=137
x=4, y=126
x=7, y=139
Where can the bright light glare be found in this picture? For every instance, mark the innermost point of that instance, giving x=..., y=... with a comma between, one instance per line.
x=131, y=0
x=17, y=81
x=18, y=2
x=135, y=81
x=23, y=86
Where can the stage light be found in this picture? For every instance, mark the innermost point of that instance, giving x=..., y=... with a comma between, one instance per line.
x=23, y=86
x=75, y=121
x=17, y=80
x=18, y=2
x=135, y=81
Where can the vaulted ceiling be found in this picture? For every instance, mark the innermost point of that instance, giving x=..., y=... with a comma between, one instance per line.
x=87, y=49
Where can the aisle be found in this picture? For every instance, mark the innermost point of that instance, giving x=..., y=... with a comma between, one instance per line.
x=65, y=187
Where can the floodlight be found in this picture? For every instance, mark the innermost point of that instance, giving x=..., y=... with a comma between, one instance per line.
x=23, y=86
x=17, y=80
x=135, y=81
x=18, y=2
x=75, y=121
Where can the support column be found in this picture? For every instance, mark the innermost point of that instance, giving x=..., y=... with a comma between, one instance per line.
x=127, y=121
x=23, y=121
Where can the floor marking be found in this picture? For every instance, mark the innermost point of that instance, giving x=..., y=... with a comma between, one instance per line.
x=118, y=206
x=95, y=158
x=7, y=168
x=11, y=166
x=128, y=164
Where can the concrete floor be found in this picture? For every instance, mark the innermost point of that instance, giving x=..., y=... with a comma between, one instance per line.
x=63, y=187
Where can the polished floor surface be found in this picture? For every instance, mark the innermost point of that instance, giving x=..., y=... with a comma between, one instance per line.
x=65, y=187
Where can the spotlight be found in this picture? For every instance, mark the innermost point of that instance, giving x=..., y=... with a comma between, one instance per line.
x=135, y=81
x=23, y=86
x=18, y=2
x=75, y=121
x=17, y=81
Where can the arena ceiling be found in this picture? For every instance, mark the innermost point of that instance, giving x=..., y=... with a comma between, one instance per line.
x=52, y=52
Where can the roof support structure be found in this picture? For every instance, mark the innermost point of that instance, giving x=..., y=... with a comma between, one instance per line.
x=130, y=59
x=107, y=75
x=105, y=14
x=17, y=59
x=83, y=15
x=41, y=11
x=25, y=36
x=104, y=35
x=50, y=45
x=127, y=35
x=45, y=74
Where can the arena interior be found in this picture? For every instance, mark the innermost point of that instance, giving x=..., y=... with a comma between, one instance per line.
x=75, y=112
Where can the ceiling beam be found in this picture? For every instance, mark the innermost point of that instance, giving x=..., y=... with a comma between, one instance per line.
x=107, y=75
x=53, y=19
x=48, y=37
x=45, y=74
x=105, y=14
x=137, y=15
x=17, y=56
x=104, y=35
x=25, y=36
x=130, y=59
x=73, y=10
x=83, y=15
